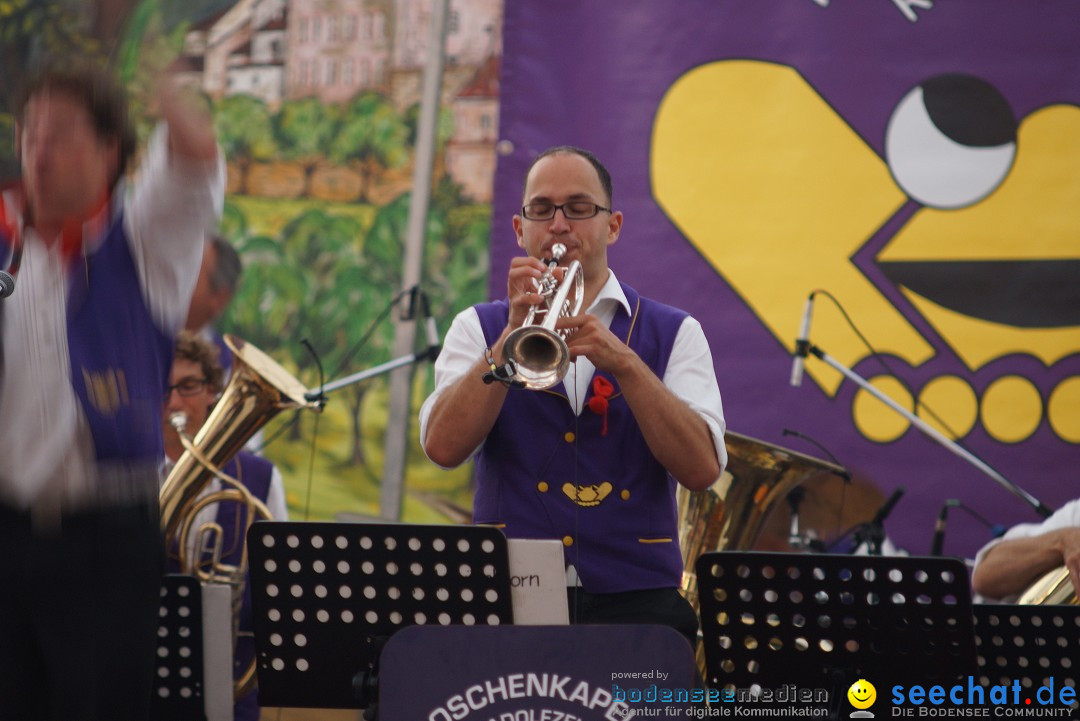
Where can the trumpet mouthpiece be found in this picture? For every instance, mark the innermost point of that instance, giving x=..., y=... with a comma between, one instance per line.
x=178, y=421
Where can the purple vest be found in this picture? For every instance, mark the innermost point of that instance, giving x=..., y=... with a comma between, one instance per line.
x=120, y=359
x=544, y=473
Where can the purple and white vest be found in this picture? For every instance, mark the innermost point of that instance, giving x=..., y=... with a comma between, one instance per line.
x=120, y=359
x=544, y=473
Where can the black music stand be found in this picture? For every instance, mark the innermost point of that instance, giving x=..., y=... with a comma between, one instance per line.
x=1029, y=644
x=327, y=596
x=829, y=620
x=178, y=669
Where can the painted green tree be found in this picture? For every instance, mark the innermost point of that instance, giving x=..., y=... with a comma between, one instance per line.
x=304, y=129
x=372, y=137
x=246, y=132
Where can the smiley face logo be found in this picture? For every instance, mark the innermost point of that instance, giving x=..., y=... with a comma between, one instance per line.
x=862, y=694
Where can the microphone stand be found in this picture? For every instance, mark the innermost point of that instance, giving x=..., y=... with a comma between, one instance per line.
x=319, y=396
x=870, y=533
x=933, y=433
x=418, y=300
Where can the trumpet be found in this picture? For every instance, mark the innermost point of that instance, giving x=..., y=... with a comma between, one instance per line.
x=537, y=350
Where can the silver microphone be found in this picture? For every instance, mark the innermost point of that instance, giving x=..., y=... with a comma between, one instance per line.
x=802, y=343
x=7, y=284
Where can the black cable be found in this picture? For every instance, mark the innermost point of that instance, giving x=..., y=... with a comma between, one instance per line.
x=996, y=529
x=1039, y=506
x=884, y=364
x=345, y=361
x=843, y=473
x=371, y=330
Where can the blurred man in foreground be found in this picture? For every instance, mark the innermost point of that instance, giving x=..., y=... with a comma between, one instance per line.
x=103, y=274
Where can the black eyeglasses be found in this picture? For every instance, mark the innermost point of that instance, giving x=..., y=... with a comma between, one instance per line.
x=574, y=210
x=187, y=387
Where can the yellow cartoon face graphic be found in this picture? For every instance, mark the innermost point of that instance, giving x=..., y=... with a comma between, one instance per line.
x=955, y=247
x=587, y=496
x=862, y=694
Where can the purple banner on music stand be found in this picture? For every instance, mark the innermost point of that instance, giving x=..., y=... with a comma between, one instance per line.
x=534, y=673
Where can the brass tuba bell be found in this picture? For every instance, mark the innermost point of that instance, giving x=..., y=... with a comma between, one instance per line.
x=537, y=350
x=258, y=390
x=730, y=515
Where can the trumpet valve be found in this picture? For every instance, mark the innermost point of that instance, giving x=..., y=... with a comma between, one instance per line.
x=178, y=421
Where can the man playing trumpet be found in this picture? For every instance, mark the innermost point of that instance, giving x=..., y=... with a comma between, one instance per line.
x=594, y=461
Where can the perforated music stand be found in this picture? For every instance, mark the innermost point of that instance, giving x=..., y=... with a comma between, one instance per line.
x=178, y=669
x=1029, y=644
x=327, y=596
x=828, y=620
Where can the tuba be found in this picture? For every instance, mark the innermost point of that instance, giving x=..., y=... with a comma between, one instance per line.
x=730, y=515
x=258, y=390
x=1052, y=588
x=537, y=350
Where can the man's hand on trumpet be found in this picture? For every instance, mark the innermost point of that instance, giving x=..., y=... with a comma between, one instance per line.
x=523, y=287
x=591, y=338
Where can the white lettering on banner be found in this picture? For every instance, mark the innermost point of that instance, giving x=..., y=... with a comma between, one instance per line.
x=907, y=7
x=530, y=685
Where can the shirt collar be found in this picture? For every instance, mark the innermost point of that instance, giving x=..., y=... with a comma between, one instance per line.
x=611, y=292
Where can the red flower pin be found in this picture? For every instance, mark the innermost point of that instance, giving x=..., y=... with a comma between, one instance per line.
x=598, y=404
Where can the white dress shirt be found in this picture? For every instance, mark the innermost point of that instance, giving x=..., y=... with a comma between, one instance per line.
x=45, y=440
x=689, y=374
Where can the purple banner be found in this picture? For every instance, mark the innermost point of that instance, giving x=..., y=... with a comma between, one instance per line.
x=538, y=673
x=916, y=160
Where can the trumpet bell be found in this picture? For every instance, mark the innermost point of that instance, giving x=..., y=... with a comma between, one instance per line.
x=541, y=355
x=539, y=351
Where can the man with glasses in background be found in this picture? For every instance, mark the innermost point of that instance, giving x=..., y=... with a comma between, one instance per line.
x=194, y=385
x=592, y=462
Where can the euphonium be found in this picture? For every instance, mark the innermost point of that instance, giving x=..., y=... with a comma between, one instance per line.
x=258, y=390
x=1054, y=588
x=538, y=350
x=730, y=515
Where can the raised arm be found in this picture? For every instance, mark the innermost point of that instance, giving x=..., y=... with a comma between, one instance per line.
x=177, y=197
x=187, y=116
